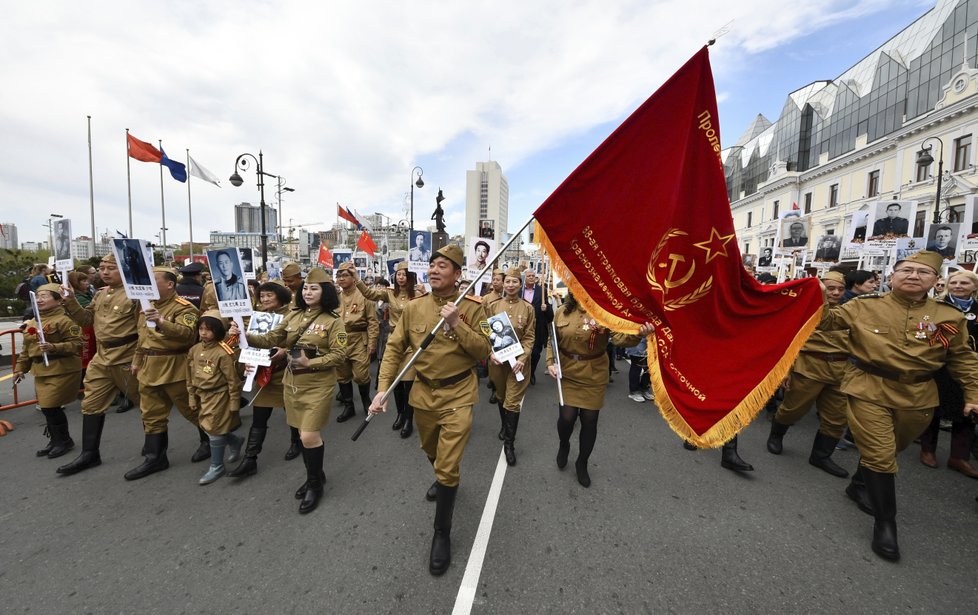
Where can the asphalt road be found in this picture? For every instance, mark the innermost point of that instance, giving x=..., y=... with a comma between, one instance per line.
x=661, y=530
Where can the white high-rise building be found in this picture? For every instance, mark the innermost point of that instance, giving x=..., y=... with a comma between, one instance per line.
x=8, y=237
x=486, y=200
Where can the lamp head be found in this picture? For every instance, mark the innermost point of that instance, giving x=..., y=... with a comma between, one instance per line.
x=419, y=183
x=288, y=189
x=924, y=157
x=235, y=180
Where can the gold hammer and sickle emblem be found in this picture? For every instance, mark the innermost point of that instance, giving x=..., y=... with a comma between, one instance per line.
x=670, y=280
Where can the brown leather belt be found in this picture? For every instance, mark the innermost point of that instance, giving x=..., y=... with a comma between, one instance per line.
x=357, y=329
x=122, y=341
x=296, y=371
x=163, y=353
x=584, y=357
x=901, y=378
x=827, y=356
x=439, y=383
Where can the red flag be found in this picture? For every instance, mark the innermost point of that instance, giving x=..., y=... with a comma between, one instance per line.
x=794, y=206
x=325, y=256
x=143, y=151
x=663, y=250
x=366, y=243
x=344, y=213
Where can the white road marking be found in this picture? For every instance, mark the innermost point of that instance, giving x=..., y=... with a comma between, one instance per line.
x=473, y=569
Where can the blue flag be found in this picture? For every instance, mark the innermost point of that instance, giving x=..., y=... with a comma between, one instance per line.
x=177, y=169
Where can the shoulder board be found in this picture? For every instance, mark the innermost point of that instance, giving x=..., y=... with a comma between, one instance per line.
x=869, y=296
x=474, y=299
x=333, y=314
x=226, y=348
x=182, y=301
x=421, y=295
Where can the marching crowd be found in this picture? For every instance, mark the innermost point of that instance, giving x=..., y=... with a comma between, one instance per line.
x=881, y=369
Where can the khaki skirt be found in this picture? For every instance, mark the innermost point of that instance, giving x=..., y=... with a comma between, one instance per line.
x=57, y=391
x=309, y=398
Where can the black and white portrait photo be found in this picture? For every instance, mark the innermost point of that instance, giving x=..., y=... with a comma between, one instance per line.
x=62, y=243
x=247, y=262
x=892, y=220
x=502, y=337
x=420, y=251
x=263, y=322
x=795, y=232
x=767, y=254
x=226, y=271
x=135, y=262
x=942, y=238
x=828, y=248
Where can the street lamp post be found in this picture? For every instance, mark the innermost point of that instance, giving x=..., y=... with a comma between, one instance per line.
x=235, y=179
x=924, y=158
x=420, y=184
x=281, y=188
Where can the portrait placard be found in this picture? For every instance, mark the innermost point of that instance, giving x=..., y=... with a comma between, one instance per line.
x=478, y=253
x=891, y=220
x=135, y=262
x=420, y=254
x=828, y=249
x=856, y=236
x=247, y=262
x=62, y=245
x=229, y=284
x=943, y=239
x=794, y=233
x=502, y=337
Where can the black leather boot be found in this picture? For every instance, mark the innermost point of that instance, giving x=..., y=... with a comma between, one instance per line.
x=365, y=396
x=408, y=428
x=399, y=403
x=295, y=446
x=562, y=451
x=346, y=400
x=432, y=493
x=92, y=425
x=511, y=421
x=857, y=491
x=821, y=456
x=203, y=451
x=155, y=460
x=441, y=542
x=774, y=444
x=249, y=464
x=882, y=493
x=315, y=477
x=492, y=397
x=730, y=460
x=582, y=474
x=61, y=441
x=43, y=452
x=502, y=420
x=125, y=405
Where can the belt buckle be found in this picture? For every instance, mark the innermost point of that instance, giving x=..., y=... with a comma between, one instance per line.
x=434, y=383
x=906, y=379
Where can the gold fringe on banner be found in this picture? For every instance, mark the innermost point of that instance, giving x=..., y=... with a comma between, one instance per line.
x=735, y=421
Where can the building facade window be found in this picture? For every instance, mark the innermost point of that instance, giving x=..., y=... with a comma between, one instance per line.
x=808, y=202
x=873, y=189
x=777, y=206
x=923, y=171
x=750, y=218
x=833, y=195
x=962, y=153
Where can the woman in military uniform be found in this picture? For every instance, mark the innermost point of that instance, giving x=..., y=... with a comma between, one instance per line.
x=214, y=390
x=509, y=390
x=962, y=289
x=315, y=338
x=56, y=383
x=274, y=298
x=582, y=344
x=397, y=297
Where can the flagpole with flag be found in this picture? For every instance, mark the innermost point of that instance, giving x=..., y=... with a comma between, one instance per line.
x=198, y=171
x=190, y=209
x=642, y=232
x=91, y=183
x=129, y=177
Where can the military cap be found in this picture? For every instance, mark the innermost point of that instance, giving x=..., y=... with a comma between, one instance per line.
x=835, y=276
x=160, y=269
x=213, y=314
x=925, y=257
x=347, y=266
x=52, y=288
x=290, y=270
x=498, y=271
x=318, y=275
x=109, y=258
x=191, y=269
x=401, y=266
x=452, y=252
x=513, y=272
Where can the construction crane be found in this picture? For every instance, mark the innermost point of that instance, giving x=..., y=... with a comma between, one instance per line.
x=292, y=227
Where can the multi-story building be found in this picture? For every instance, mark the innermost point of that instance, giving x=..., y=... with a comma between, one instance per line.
x=34, y=246
x=843, y=146
x=81, y=248
x=486, y=201
x=225, y=239
x=8, y=236
x=247, y=219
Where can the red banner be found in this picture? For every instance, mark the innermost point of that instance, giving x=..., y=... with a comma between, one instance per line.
x=366, y=243
x=642, y=231
x=325, y=257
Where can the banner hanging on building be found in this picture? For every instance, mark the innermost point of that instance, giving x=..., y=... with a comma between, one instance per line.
x=642, y=231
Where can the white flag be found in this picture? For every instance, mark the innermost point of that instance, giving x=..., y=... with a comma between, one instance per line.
x=198, y=171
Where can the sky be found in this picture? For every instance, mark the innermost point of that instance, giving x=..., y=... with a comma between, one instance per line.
x=345, y=98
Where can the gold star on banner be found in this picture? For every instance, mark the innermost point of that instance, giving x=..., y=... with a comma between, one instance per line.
x=716, y=245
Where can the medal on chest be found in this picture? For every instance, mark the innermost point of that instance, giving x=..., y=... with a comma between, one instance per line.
x=208, y=367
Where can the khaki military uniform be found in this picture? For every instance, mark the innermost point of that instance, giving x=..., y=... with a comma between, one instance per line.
x=584, y=357
x=114, y=317
x=815, y=378
x=359, y=315
x=213, y=386
x=161, y=359
x=490, y=297
x=208, y=298
x=445, y=386
x=56, y=384
x=509, y=390
x=272, y=395
x=308, y=391
x=397, y=300
x=896, y=346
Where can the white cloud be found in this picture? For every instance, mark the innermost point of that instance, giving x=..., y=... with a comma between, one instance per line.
x=342, y=97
